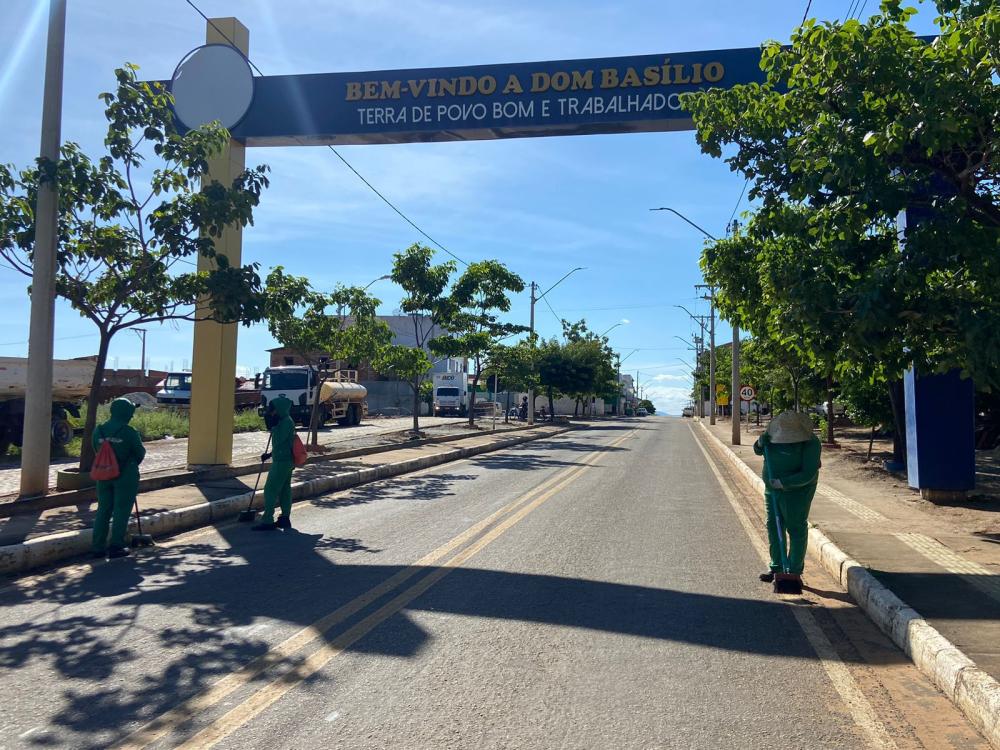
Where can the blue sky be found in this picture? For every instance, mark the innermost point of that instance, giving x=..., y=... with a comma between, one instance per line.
x=542, y=205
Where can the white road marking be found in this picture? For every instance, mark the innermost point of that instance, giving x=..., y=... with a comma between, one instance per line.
x=861, y=710
x=976, y=575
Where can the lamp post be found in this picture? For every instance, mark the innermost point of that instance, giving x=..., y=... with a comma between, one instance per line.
x=736, y=341
x=700, y=320
x=621, y=359
x=531, y=329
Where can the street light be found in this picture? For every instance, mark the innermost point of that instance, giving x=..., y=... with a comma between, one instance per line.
x=375, y=281
x=685, y=218
x=736, y=337
x=531, y=329
x=618, y=368
x=619, y=323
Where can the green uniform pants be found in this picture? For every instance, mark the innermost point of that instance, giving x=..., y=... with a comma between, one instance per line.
x=793, y=505
x=278, y=490
x=115, y=498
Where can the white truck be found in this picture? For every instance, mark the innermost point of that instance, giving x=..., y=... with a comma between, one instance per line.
x=341, y=396
x=176, y=390
x=451, y=393
x=71, y=379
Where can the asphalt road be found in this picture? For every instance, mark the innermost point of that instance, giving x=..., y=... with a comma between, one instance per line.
x=594, y=590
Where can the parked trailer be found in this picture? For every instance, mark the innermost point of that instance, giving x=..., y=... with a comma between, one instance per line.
x=71, y=379
x=341, y=396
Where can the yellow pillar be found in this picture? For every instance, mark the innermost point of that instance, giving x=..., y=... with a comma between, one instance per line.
x=214, y=358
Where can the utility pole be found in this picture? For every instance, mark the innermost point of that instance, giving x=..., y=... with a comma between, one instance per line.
x=36, y=449
x=141, y=333
x=711, y=355
x=700, y=349
x=734, y=399
x=531, y=329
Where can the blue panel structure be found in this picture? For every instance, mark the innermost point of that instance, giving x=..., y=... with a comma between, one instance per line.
x=940, y=432
x=568, y=97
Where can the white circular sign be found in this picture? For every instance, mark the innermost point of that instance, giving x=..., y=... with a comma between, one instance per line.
x=213, y=82
x=747, y=393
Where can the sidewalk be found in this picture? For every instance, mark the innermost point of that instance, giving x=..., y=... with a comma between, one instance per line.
x=172, y=453
x=944, y=561
x=28, y=540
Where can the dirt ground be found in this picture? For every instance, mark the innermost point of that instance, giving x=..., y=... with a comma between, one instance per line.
x=978, y=515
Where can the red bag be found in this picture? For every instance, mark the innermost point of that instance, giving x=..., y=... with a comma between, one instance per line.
x=299, y=455
x=105, y=465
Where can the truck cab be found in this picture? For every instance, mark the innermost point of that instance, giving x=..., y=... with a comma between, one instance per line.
x=176, y=390
x=343, y=397
x=451, y=394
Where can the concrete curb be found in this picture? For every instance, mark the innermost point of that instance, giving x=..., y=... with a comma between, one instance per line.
x=45, y=550
x=975, y=692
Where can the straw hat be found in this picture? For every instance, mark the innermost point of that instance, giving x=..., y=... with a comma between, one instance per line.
x=791, y=427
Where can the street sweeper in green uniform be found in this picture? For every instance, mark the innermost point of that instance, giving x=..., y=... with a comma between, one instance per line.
x=278, y=487
x=791, y=470
x=115, y=497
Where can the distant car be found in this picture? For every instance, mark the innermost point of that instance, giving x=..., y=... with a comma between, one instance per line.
x=687, y=411
x=641, y=412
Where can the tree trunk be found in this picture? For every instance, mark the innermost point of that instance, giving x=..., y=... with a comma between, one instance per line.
x=897, y=400
x=416, y=403
x=871, y=442
x=552, y=407
x=576, y=408
x=472, y=398
x=93, y=399
x=829, y=409
x=314, y=416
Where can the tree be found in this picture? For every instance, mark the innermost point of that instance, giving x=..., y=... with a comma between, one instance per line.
x=474, y=328
x=857, y=122
x=120, y=249
x=647, y=405
x=515, y=366
x=300, y=318
x=426, y=304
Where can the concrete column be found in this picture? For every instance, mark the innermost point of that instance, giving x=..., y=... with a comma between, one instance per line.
x=36, y=445
x=214, y=357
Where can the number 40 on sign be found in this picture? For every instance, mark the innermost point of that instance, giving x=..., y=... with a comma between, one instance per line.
x=747, y=393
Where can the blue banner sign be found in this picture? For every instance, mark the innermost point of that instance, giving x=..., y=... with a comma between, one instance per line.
x=569, y=97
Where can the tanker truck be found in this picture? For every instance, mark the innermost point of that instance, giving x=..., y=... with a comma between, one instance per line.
x=71, y=379
x=341, y=396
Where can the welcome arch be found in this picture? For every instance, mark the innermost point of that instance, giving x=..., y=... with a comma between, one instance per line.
x=635, y=94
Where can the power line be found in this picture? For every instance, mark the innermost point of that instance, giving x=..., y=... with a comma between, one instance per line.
x=738, y=201
x=61, y=338
x=804, y=16
x=389, y=203
x=549, y=305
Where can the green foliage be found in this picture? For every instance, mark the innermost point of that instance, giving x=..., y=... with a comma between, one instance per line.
x=124, y=235
x=471, y=316
x=856, y=122
x=866, y=401
x=647, y=405
x=426, y=303
x=303, y=320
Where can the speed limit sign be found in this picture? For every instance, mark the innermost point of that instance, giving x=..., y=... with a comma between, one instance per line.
x=747, y=393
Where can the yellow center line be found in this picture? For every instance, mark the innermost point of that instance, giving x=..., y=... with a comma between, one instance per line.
x=167, y=722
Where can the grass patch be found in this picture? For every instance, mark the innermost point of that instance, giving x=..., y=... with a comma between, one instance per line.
x=248, y=420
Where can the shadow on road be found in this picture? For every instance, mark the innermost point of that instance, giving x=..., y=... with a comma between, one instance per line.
x=124, y=667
